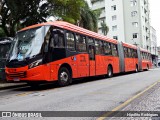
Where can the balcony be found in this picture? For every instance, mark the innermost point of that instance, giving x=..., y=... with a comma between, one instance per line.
x=98, y=4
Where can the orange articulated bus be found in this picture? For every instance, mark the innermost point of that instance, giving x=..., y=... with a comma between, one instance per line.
x=146, y=59
x=60, y=51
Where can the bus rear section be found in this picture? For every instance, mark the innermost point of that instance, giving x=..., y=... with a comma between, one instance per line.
x=145, y=59
x=128, y=57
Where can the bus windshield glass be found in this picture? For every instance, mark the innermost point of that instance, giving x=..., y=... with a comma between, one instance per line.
x=28, y=43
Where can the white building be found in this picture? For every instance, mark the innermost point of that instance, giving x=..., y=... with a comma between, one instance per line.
x=154, y=48
x=128, y=20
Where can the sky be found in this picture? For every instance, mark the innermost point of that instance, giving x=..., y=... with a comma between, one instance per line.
x=155, y=17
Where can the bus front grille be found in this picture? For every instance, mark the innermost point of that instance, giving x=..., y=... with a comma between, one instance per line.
x=17, y=75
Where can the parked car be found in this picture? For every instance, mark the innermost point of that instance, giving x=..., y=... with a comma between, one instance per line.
x=5, y=44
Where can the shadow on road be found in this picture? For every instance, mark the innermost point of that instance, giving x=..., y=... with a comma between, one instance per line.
x=53, y=85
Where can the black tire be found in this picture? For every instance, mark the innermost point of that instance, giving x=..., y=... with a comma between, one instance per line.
x=136, y=70
x=147, y=68
x=110, y=72
x=64, y=77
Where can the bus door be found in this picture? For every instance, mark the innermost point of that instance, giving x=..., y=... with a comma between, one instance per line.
x=92, y=65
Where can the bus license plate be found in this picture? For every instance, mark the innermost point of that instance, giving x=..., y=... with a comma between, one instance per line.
x=16, y=79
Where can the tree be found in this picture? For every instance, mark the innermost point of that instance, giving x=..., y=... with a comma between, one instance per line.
x=104, y=28
x=89, y=18
x=17, y=13
x=66, y=10
x=2, y=33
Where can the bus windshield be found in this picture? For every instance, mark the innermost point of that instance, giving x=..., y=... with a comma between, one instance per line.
x=28, y=43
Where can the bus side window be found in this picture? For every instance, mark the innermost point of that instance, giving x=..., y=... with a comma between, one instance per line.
x=107, y=48
x=114, y=50
x=133, y=53
x=136, y=55
x=70, y=41
x=81, y=43
x=90, y=40
x=57, y=39
x=129, y=53
x=97, y=47
x=46, y=41
x=125, y=52
x=91, y=52
x=101, y=47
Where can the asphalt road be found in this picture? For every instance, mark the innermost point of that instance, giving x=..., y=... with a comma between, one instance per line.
x=96, y=94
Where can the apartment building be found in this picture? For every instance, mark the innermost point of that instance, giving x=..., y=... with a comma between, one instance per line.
x=153, y=37
x=154, y=48
x=128, y=20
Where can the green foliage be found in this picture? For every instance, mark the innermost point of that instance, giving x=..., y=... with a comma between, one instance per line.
x=89, y=18
x=2, y=33
x=104, y=28
x=67, y=10
x=16, y=14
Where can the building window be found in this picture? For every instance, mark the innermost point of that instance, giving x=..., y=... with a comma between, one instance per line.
x=133, y=2
x=114, y=28
x=115, y=37
x=134, y=13
x=113, y=8
x=114, y=17
x=135, y=35
x=135, y=24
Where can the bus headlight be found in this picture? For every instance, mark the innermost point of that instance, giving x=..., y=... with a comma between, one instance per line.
x=35, y=63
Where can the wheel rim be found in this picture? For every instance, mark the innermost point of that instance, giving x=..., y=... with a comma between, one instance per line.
x=64, y=76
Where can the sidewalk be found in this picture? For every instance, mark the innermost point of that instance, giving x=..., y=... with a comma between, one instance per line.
x=5, y=85
x=149, y=101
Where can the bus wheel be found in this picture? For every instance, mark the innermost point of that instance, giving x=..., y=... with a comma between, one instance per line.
x=110, y=72
x=64, y=77
x=147, y=68
x=136, y=69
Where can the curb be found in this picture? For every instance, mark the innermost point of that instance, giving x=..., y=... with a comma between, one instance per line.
x=11, y=86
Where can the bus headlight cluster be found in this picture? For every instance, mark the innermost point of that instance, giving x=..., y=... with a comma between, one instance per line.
x=35, y=63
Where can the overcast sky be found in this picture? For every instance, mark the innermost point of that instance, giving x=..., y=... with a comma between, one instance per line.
x=155, y=17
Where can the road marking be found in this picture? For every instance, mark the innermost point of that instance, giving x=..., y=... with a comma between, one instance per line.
x=127, y=102
x=24, y=94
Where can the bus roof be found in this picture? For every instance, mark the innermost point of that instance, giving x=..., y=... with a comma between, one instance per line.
x=71, y=27
x=144, y=50
x=129, y=45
